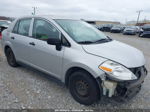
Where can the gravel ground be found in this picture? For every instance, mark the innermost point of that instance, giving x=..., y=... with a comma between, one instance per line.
x=24, y=87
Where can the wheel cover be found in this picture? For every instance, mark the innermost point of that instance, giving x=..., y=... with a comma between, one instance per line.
x=82, y=88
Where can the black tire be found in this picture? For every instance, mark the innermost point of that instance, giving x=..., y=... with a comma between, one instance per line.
x=11, y=58
x=140, y=35
x=84, y=88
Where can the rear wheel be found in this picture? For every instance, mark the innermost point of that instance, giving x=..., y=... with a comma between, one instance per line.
x=84, y=88
x=11, y=58
x=139, y=35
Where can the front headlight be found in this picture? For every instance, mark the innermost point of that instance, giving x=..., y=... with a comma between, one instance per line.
x=117, y=71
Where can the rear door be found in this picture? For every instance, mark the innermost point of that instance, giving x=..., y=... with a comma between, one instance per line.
x=20, y=39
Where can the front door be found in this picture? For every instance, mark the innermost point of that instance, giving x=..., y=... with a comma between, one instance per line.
x=44, y=56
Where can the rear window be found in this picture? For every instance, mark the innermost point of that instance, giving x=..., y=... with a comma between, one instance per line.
x=15, y=29
x=23, y=27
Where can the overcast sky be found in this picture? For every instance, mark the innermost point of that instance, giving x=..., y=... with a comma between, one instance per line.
x=114, y=10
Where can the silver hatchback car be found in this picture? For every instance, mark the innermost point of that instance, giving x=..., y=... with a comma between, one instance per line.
x=90, y=64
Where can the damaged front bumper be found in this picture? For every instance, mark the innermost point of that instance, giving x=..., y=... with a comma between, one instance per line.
x=124, y=90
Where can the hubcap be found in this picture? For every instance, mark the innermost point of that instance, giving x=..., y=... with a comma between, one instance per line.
x=82, y=88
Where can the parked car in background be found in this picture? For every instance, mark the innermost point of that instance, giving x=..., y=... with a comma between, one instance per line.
x=130, y=30
x=107, y=27
x=138, y=29
x=145, y=31
x=116, y=29
x=3, y=25
x=4, y=22
x=88, y=62
x=99, y=27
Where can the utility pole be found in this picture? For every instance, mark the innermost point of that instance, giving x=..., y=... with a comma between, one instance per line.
x=34, y=10
x=139, y=12
x=145, y=19
x=126, y=20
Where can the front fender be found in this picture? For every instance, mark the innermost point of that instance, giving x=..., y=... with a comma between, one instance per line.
x=94, y=71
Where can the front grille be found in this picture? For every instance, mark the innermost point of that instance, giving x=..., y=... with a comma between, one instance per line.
x=138, y=71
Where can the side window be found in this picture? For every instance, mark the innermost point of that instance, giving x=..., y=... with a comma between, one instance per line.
x=24, y=26
x=15, y=29
x=43, y=30
x=64, y=41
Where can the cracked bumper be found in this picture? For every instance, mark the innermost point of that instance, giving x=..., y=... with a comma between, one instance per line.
x=125, y=90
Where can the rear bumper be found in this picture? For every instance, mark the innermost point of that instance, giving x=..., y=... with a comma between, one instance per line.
x=115, y=31
x=130, y=33
x=106, y=29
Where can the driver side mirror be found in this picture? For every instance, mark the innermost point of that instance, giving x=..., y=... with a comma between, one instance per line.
x=56, y=42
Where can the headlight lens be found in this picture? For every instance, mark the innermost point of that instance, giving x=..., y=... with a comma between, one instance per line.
x=117, y=71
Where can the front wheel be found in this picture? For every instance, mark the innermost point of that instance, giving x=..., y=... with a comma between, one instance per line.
x=11, y=58
x=84, y=88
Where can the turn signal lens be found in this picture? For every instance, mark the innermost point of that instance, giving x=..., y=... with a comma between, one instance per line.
x=105, y=69
x=0, y=36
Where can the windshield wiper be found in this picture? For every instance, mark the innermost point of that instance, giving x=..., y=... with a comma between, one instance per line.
x=103, y=40
x=97, y=41
x=86, y=42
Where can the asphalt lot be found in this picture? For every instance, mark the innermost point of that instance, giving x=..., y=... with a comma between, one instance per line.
x=24, y=87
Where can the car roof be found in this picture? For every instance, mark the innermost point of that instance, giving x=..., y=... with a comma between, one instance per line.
x=50, y=17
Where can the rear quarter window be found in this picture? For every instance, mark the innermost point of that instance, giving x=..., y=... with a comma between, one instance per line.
x=15, y=29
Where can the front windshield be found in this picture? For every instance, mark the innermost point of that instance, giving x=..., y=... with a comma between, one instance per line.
x=80, y=31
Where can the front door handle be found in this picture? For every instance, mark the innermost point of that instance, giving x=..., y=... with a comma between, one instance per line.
x=32, y=43
x=13, y=38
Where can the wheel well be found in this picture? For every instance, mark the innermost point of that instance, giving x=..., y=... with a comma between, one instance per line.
x=6, y=47
x=72, y=70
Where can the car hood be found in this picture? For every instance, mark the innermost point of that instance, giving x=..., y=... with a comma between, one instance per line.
x=118, y=52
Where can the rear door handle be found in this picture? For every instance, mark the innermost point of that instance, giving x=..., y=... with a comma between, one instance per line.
x=32, y=43
x=13, y=38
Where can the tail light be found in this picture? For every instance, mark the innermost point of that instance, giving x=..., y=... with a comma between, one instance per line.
x=0, y=35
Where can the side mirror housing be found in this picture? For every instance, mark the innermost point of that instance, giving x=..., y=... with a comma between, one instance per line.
x=56, y=42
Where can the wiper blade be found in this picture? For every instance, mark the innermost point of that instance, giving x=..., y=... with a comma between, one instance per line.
x=104, y=40
x=91, y=42
x=85, y=42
